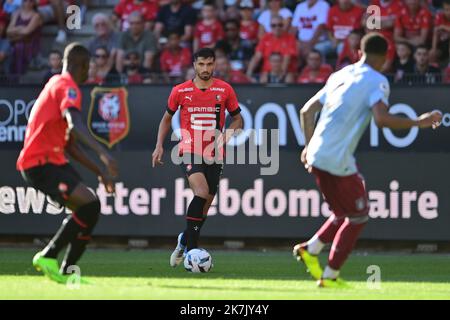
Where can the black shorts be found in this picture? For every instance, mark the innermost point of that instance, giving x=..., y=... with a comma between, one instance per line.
x=56, y=181
x=212, y=172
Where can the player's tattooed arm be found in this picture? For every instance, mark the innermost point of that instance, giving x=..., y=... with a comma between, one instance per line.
x=80, y=132
x=163, y=130
x=383, y=118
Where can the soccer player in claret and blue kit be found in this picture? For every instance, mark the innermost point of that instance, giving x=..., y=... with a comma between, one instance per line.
x=202, y=103
x=56, y=128
x=346, y=104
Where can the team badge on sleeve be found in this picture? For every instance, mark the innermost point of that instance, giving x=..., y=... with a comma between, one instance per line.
x=72, y=93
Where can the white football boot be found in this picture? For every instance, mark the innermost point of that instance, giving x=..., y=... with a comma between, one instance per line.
x=178, y=254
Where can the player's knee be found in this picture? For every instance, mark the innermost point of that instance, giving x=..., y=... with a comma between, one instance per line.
x=202, y=192
x=195, y=209
x=89, y=214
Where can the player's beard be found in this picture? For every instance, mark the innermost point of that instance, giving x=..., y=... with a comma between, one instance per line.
x=205, y=76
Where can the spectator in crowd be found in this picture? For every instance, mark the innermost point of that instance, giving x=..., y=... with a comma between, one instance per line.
x=54, y=11
x=447, y=73
x=274, y=9
x=224, y=71
x=343, y=17
x=441, y=34
x=424, y=73
x=105, y=36
x=238, y=50
x=5, y=48
x=92, y=74
x=228, y=9
x=136, y=38
x=309, y=21
x=134, y=73
x=190, y=73
x=147, y=8
x=24, y=35
x=275, y=74
x=413, y=25
x=403, y=62
x=350, y=51
x=54, y=65
x=10, y=6
x=277, y=41
x=105, y=72
x=248, y=30
x=389, y=12
x=175, y=17
x=175, y=60
x=208, y=30
x=315, y=70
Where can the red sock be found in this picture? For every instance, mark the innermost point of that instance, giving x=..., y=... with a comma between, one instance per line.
x=328, y=230
x=344, y=242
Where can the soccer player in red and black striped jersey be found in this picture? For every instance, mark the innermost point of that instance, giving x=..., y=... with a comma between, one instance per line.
x=202, y=103
x=56, y=128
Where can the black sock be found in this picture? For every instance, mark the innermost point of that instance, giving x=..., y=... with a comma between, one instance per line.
x=183, y=236
x=66, y=233
x=88, y=215
x=74, y=251
x=194, y=222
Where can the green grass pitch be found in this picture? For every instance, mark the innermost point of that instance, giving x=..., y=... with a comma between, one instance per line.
x=145, y=274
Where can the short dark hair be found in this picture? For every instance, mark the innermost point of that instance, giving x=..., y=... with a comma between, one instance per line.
x=104, y=48
x=316, y=52
x=204, y=53
x=422, y=46
x=406, y=44
x=210, y=3
x=55, y=51
x=233, y=21
x=133, y=53
x=374, y=43
x=75, y=52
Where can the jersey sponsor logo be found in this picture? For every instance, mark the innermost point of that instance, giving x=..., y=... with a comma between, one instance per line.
x=217, y=89
x=203, y=121
x=218, y=97
x=204, y=109
x=189, y=98
x=108, y=118
x=185, y=90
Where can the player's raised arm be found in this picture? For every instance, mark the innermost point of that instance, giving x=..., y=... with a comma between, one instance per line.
x=80, y=132
x=384, y=119
x=163, y=130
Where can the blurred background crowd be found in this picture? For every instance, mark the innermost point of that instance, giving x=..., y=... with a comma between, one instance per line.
x=256, y=41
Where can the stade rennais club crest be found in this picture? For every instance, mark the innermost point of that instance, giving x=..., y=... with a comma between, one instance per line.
x=109, y=118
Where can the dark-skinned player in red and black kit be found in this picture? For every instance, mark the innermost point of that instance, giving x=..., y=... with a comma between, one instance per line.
x=202, y=103
x=56, y=128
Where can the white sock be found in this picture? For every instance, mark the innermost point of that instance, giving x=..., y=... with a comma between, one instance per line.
x=330, y=273
x=315, y=245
